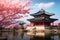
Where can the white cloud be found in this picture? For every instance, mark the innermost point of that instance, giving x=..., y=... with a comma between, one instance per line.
x=25, y=17
x=45, y=5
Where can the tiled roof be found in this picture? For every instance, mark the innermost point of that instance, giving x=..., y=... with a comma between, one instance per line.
x=42, y=11
x=42, y=19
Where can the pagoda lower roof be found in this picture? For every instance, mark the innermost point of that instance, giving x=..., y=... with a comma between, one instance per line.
x=42, y=19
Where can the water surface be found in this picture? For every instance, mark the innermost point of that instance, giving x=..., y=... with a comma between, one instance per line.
x=33, y=36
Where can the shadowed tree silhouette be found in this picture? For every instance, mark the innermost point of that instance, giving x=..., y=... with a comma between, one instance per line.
x=1, y=30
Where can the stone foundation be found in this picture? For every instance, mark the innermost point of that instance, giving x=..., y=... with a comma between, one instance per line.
x=37, y=28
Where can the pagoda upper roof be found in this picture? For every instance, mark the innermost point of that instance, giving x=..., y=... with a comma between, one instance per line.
x=42, y=19
x=42, y=11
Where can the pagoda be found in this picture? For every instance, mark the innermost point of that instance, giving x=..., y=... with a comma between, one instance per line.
x=42, y=20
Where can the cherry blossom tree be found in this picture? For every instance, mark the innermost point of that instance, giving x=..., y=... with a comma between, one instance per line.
x=10, y=10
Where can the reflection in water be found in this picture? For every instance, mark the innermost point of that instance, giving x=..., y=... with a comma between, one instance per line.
x=49, y=37
x=22, y=36
x=37, y=38
x=25, y=36
x=55, y=37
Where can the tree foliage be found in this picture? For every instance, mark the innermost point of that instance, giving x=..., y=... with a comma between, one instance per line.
x=10, y=10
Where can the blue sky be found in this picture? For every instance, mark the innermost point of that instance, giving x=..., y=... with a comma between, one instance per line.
x=52, y=6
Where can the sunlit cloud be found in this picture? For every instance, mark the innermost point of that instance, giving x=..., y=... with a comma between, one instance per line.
x=45, y=5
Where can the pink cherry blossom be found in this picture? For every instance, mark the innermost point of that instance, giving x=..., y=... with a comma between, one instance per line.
x=10, y=10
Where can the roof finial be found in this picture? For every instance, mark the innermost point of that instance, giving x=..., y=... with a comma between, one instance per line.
x=42, y=10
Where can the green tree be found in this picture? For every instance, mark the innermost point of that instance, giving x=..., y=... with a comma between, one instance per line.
x=22, y=23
